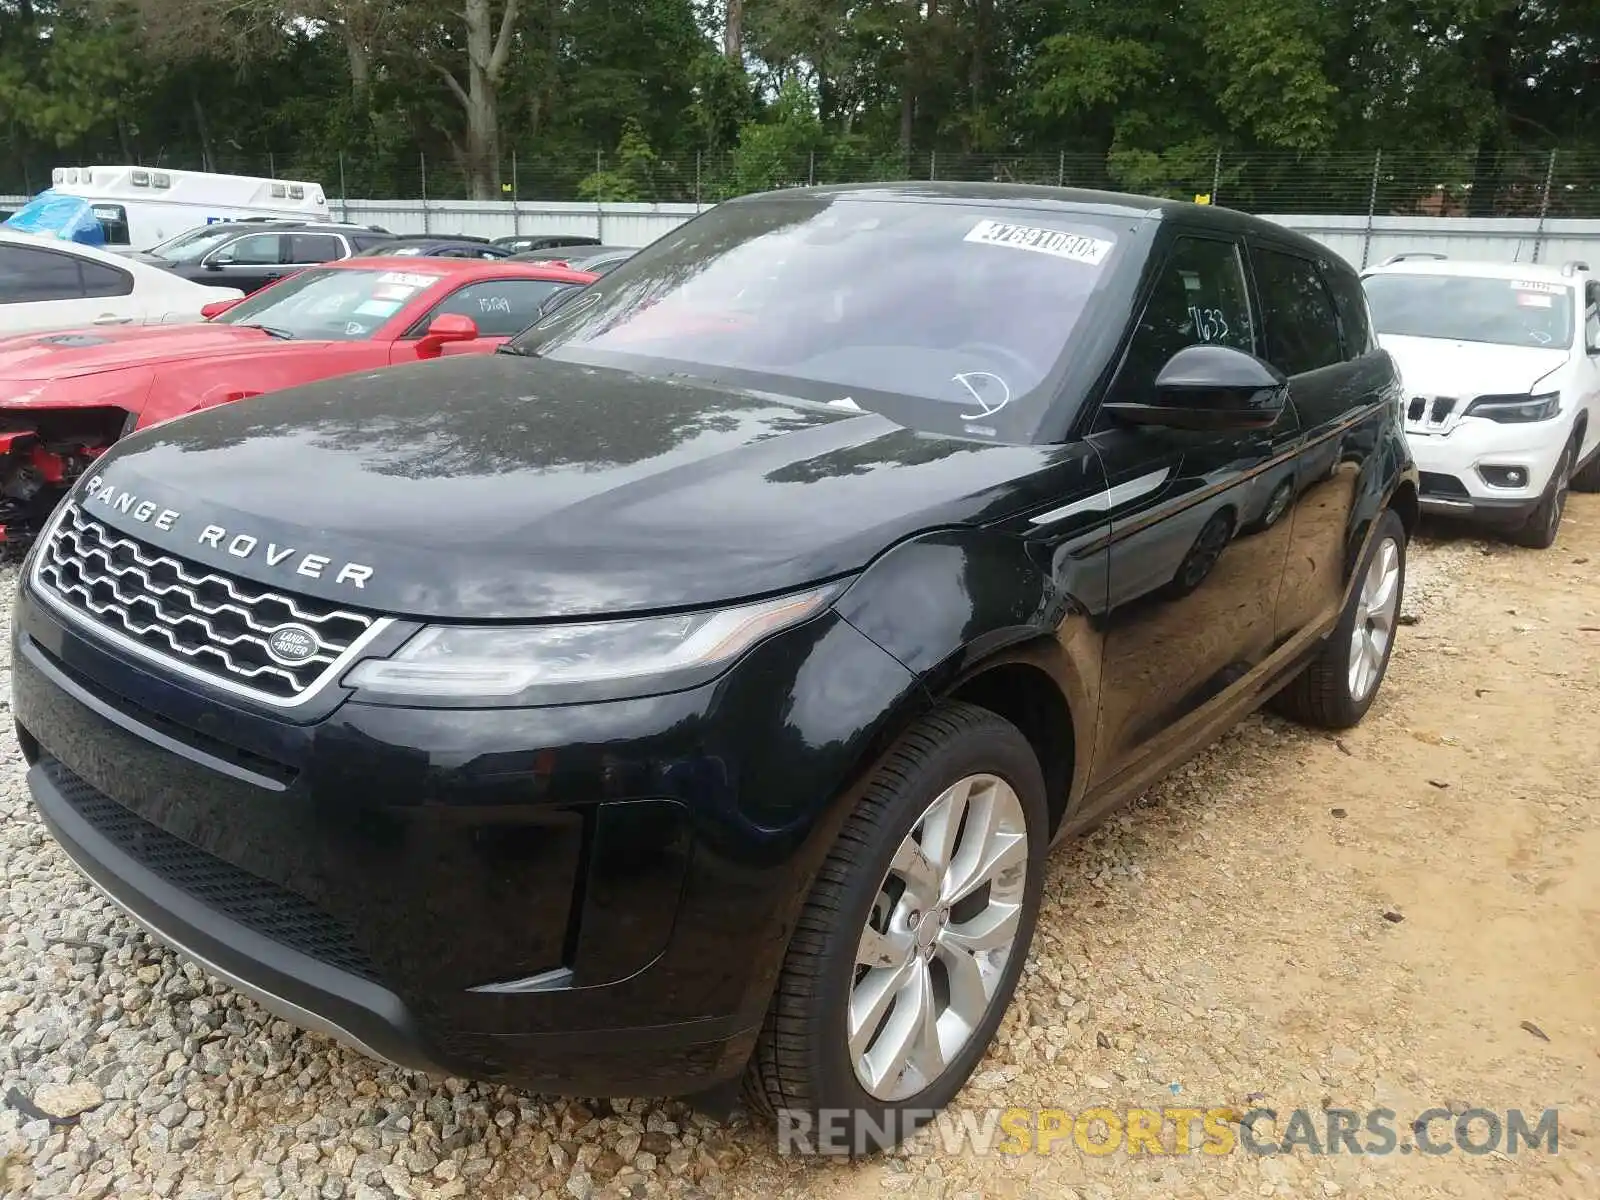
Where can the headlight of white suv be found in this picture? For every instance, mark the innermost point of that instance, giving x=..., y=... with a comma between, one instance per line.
x=1516, y=409
x=498, y=661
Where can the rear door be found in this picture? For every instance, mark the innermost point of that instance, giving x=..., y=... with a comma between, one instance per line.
x=42, y=289
x=312, y=249
x=1196, y=553
x=1589, y=367
x=1319, y=334
x=500, y=308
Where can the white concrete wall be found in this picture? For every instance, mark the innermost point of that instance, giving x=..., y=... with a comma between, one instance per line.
x=1499, y=239
x=1508, y=239
x=613, y=224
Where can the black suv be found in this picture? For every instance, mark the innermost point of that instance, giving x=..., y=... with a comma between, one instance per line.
x=695, y=695
x=251, y=254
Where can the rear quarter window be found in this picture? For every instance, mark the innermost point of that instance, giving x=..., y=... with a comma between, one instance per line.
x=1355, y=318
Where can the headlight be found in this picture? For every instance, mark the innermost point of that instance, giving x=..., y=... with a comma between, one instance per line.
x=497, y=661
x=1516, y=409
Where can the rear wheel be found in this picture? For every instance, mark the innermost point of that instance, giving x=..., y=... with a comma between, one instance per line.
x=909, y=947
x=1339, y=684
x=1544, y=523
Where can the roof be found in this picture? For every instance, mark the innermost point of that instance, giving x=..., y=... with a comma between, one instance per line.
x=22, y=237
x=285, y=225
x=1016, y=194
x=444, y=239
x=1043, y=198
x=1480, y=269
x=498, y=268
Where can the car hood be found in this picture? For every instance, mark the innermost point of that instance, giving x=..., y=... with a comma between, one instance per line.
x=505, y=487
x=64, y=353
x=1446, y=367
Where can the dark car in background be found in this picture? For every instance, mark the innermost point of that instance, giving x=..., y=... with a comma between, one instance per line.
x=437, y=246
x=522, y=242
x=601, y=260
x=692, y=689
x=251, y=254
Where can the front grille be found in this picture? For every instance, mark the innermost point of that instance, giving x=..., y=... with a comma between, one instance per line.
x=1429, y=412
x=1433, y=483
x=270, y=910
x=190, y=615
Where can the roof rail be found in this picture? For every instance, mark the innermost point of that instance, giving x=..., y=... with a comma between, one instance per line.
x=1573, y=267
x=1394, y=258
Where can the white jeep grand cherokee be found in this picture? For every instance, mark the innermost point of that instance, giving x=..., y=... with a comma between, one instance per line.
x=1501, y=368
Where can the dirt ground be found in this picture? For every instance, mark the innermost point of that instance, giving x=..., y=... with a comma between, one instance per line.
x=1229, y=934
x=1406, y=916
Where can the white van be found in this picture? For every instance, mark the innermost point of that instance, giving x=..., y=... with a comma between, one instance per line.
x=136, y=207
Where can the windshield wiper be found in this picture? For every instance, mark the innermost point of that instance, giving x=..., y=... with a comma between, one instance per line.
x=273, y=330
x=508, y=348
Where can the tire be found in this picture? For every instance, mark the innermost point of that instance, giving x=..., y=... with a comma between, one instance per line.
x=1543, y=525
x=1587, y=479
x=803, y=1067
x=1326, y=693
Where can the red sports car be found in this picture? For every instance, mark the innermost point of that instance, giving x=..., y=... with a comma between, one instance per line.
x=66, y=396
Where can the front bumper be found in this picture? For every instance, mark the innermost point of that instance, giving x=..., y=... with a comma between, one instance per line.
x=590, y=899
x=1451, y=467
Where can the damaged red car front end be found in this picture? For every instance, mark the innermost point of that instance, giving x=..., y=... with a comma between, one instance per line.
x=50, y=433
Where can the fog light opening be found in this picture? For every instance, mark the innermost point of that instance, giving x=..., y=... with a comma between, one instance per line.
x=1504, y=477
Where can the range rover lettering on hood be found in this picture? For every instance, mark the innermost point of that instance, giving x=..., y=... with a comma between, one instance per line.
x=230, y=541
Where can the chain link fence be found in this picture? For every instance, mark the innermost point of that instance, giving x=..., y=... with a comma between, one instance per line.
x=1391, y=182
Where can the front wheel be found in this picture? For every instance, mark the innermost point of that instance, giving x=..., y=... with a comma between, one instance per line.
x=1337, y=687
x=1544, y=523
x=910, y=944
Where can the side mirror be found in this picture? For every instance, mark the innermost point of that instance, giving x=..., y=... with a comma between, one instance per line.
x=212, y=264
x=217, y=307
x=1214, y=388
x=443, y=329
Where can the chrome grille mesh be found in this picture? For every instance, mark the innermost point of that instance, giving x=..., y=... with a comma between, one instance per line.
x=188, y=614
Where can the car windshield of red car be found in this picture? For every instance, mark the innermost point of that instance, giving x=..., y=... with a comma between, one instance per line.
x=939, y=315
x=331, y=305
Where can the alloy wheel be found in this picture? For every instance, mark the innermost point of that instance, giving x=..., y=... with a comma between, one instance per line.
x=1376, y=610
x=941, y=932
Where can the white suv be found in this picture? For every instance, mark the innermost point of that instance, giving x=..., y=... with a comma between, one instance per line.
x=1501, y=368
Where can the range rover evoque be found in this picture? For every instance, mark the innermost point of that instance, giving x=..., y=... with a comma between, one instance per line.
x=689, y=692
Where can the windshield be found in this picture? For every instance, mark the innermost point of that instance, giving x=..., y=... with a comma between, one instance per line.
x=190, y=247
x=330, y=305
x=1502, y=312
x=945, y=317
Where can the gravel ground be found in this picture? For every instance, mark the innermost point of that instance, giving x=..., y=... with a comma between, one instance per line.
x=1292, y=920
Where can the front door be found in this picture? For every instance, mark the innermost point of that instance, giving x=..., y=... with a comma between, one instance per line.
x=1197, y=539
x=247, y=263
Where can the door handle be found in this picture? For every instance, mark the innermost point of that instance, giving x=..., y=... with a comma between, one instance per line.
x=112, y=319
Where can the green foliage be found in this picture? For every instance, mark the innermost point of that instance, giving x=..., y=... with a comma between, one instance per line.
x=777, y=151
x=633, y=176
x=1138, y=94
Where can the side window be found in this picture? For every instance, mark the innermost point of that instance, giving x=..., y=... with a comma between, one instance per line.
x=1301, y=323
x=257, y=250
x=27, y=274
x=101, y=279
x=1199, y=296
x=1355, y=317
x=313, y=248
x=113, y=219
x=499, y=307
